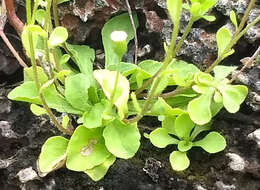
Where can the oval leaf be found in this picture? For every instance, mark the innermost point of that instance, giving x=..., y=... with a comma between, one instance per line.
x=58, y=36
x=183, y=126
x=212, y=143
x=179, y=161
x=160, y=138
x=86, y=149
x=174, y=7
x=223, y=38
x=122, y=140
x=53, y=154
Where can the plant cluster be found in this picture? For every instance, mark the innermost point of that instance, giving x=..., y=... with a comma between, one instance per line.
x=109, y=102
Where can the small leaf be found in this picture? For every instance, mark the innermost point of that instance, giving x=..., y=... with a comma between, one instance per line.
x=199, y=108
x=107, y=81
x=98, y=172
x=53, y=154
x=76, y=91
x=46, y=85
x=174, y=7
x=209, y=18
x=233, y=96
x=64, y=59
x=65, y=121
x=179, y=161
x=195, y=10
x=233, y=18
x=37, y=110
x=126, y=69
x=206, y=5
x=223, y=38
x=221, y=71
x=93, y=118
x=184, y=146
x=86, y=149
x=217, y=97
x=61, y=1
x=160, y=138
x=183, y=126
x=122, y=140
x=212, y=143
x=168, y=124
x=135, y=103
x=198, y=129
x=58, y=36
x=204, y=79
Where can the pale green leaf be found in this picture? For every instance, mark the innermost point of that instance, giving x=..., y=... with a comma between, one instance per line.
x=168, y=124
x=179, y=160
x=184, y=146
x=233, y=18
x=209, y=18
x=107, y=81
x=37, y=110
x=160, y=138
x=86, y=149
x=174, y=7
x=223, y=38
x=58, y=36
x=98, y=172
x=183, y=126
x=212, y=143
x=53, y=154
x=122, y=140
x=65, y=121
x=221, y=71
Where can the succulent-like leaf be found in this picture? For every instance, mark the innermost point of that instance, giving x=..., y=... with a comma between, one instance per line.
x=76, y=91
x=122, y=140
x=233, y=96
x=199, y=108
x=160, y=138
x=221, y=71
x=98, y=172
x=119, y=23
x=212, y=143
x=179, y=160
x=184, y=146
x=58, y=36
x=107, y=81
x=53, y=154
x=86, y=149
x=183, y=126
x=223, y=38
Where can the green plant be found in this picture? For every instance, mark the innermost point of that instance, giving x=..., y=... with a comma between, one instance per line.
x=109, y=102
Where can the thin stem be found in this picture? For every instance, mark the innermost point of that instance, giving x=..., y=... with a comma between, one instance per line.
x=184, y=36
x=174, y=93
x=55, y=13
x=12, y=17
x=134, y=29
x=28, y=11
x=14, y=52
x=231, y=44
x=246, y=65
x=35, y=7
x=38, y=85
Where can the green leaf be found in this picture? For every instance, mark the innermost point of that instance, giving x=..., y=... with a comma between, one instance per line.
x=58, y=36
x=150, y=66
x=37, y=110
x=107, y=81
x=84, y=57
x=206, y=5
x=86, y=149
x=93, y=118
x=209, y=18
x=168, y=124
x=196, y=10
x=204, y=79
x=233, y=96
x=199, y=108
x=53, y=154
x=223, y=38
x=221, y=71
x=61, y=1
x=174, y=7
x=212, y=143
x=179, y=161
x=217, y=97
x=184, y=146
x=98, y=172
x=119, y=23
x=65, y=121
x=122, y=140
x=198, y=129
x=126, y=69
x=28, y=74
x=40, y=16
x=183, y=126
x=76, y=91
x=233, y=18
x=160, y=138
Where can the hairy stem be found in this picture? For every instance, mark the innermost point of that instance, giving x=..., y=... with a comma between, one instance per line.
x=55, y=12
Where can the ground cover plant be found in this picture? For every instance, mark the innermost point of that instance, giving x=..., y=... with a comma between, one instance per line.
x=109, y=102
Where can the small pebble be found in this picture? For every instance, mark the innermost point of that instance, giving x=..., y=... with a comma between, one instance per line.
x=237, y=162
x=27, y=174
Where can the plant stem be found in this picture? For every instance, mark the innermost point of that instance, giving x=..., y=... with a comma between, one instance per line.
x=55, y=12
x=12, y=17
x=175, y=92
x=184, y=36
x=246, y=65
x=14, y=52
x=230, y=45
x=38, y=85
x=28, y=11
x=134, y=29
x=35, y=7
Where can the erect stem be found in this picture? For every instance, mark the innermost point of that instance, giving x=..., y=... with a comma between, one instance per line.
x=249, y=62
x=55, y=12
x=38, y=85
x=230, y=45
x=12, y=17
